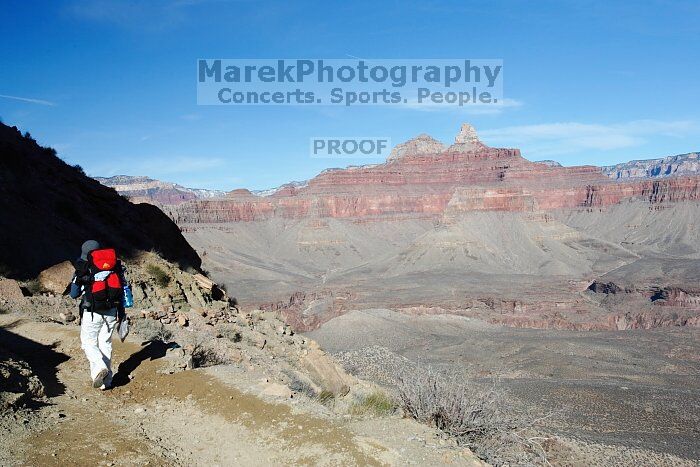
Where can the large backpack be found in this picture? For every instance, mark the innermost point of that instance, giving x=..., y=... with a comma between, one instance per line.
x=105, y=290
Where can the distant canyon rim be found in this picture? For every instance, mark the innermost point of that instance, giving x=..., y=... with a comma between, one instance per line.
x=463, y=229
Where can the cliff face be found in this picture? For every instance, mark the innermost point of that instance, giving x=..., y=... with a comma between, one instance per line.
x=680, y=165
x=422, y=178
x=148, y=190
x=48, y=209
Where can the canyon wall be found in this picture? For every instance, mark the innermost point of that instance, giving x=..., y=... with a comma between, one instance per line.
x=423, y=178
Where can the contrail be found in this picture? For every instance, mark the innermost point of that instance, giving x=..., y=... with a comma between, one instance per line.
x=28, y=99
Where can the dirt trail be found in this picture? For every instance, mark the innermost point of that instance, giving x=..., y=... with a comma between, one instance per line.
x=193, y=417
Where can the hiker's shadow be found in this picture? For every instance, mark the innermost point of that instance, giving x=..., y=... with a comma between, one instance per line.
x=42, y=359
x=152, y=350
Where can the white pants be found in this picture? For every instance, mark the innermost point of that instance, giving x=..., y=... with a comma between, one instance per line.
x=96, y=340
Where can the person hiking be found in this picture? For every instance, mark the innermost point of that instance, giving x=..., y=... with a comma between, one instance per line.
x=99, y=279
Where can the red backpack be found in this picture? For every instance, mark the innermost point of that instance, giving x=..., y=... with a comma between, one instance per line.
x=105, y=291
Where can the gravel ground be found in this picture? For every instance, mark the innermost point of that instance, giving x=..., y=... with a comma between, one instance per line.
x=632, y=397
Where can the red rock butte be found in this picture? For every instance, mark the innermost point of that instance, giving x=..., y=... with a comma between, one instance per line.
x=424, y=178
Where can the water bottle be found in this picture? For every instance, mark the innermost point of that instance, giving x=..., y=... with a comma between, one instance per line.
x=128, y=297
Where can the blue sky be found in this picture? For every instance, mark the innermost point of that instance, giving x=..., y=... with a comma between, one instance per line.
x=112, y=85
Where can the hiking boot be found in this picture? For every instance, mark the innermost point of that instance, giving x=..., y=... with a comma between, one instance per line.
x=100, y=378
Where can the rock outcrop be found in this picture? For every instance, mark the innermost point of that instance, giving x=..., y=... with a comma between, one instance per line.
x=549, y=163
x=329, y=375
x=10, y=289
x=421, y=144
x=466, y=140
x=680, y=165
x=56, y=278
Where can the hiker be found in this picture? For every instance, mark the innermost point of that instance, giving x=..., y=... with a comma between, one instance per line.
x=99, y=279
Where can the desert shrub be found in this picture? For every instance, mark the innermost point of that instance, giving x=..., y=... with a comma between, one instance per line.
x=448, y=404
x=476, y=416
x=161, y=277
x=376, y=404
x=4, y=309
x=203, y=356
x=152, y=330
x=34, y=287
x=233, y=302
x=300, y=386
x=326, y=397
x=232, y=335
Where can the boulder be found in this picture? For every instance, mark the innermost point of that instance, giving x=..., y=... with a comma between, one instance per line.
x=57, y=278
x=277, y=390
x=603, y=287
x=326, y=373
x=10, y=289
x=204, y=282
x=67, y=317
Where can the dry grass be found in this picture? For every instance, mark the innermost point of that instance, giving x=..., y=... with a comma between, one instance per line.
x=161, y=277
x=376, y=404
x=152, y=330
x=326, y=398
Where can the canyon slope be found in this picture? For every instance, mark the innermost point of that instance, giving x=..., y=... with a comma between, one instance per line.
x=465, y=229
x=50, y=208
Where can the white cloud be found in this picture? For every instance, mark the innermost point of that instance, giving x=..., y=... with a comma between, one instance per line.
x=472, y=109
x=159, y=167
x=28, y=99
x=152, y=15
x=550, y=139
